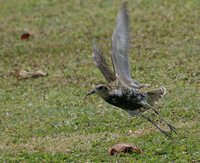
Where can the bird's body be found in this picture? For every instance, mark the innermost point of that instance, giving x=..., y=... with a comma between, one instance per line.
x=123, y=97
x=129, y=99
x=121, y=90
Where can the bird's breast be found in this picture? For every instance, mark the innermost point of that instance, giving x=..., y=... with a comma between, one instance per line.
x=125, y=101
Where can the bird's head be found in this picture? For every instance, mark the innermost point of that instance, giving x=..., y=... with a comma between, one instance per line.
x=101, y=90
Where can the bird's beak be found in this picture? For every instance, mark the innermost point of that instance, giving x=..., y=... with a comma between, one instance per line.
x=91, y=92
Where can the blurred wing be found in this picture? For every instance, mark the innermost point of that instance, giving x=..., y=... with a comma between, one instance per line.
x=100, y=62
x=120, y=46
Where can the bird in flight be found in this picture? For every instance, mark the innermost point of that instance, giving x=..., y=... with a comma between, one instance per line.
x=121, y=90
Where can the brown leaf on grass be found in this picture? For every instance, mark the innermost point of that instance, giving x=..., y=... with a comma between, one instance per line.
x=25, y=36
x=23, y=74
x=125, y=148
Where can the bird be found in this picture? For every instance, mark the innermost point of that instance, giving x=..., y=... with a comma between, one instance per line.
x=121, y=90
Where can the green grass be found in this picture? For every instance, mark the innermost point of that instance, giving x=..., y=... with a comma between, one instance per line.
x=51, y=120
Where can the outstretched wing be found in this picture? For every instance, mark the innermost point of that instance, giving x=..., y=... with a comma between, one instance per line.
x=120, y=47
x=100, y=62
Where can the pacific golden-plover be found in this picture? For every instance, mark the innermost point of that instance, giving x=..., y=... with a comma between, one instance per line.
x=121, y=90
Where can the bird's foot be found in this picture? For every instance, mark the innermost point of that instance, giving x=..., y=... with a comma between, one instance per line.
x=166, y=133
x=172, y=128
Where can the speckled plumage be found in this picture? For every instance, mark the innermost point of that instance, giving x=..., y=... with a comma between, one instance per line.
x=130, y=99
x=121, y=90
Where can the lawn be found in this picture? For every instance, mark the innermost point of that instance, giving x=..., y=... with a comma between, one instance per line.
x=50, y=119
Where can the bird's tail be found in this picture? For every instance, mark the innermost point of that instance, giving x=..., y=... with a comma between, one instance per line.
x=155, y=95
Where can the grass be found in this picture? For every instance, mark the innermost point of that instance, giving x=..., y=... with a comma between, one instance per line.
x=51, y=120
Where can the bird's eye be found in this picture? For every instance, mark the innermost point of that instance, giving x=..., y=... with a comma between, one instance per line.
x=100, y=87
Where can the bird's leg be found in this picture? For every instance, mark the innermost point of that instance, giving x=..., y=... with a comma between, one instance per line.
x=172, y=128
x=164, y=132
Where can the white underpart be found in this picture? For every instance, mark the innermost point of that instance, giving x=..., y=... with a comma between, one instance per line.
x=143, y=103
x=116, y=92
